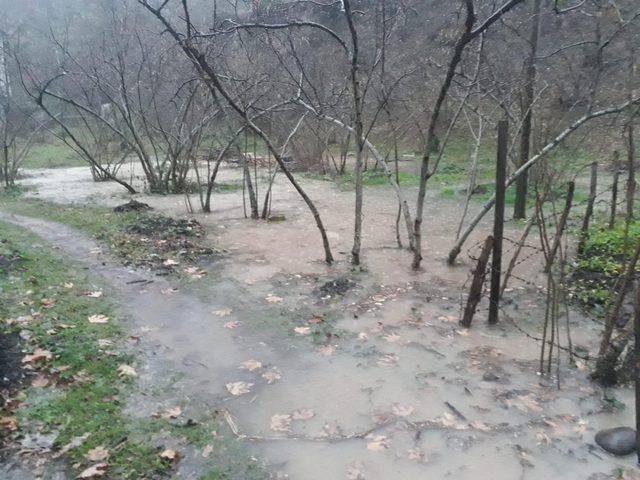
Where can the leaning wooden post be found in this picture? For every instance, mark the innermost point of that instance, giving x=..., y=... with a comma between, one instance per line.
x=479, y=274
x=584, y=231
x=571, y=186
x=498, y=220
x=614, y=189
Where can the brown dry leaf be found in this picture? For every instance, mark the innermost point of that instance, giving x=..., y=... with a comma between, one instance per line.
x=9, y=423
x=280, y=422
x=104, y=342
x=303, y=414
x=38, y=355
x=316, y=320
x=40, y=381
x=449, y=421
x=67, y=285
x=251, y=365
x=127, y=371
x=170, y=455
x=99, y=318
x=272, y=376
x=389, y=359
x=169, y=413
x=356, y=471
x=302, y=330
x=377, y=442
x=97, y=454
x=449, y=319
x=273, y=298
x=417, y=455
x=239, y=388
x=231, y=325
x=543, y=438
x=524, y=403
x=170, y=262
x=96, y=294
x=223, y=312
x=97, y=470
x=327, y=350
x=402, y=410
x=47, y=303
x=362, y=336
x=477, y=425
x=392, y=338
x=207, y=450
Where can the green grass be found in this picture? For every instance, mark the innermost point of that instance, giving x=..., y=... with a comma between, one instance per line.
x=53, y=154
x=71, y=408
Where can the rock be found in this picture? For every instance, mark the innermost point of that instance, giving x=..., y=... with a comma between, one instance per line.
x=617, y=441
x=132, y=206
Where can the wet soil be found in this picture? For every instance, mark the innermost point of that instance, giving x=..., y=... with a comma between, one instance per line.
x=374, y=383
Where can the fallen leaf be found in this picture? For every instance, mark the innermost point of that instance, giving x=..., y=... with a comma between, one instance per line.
x=169, y=413
x=231, y=325
x=67, y=285
x=316, y=320
x=524, y=403
x=273, y=298
x=356, y=471
x=207, y=450
x=47, y=303
x=97, y=470
x=40, y=381
x=302, y=330
x=168, y=291
x=402, y=410
x=280, y=422
x=99, y=318
x=417, y=455
x=97, y=454
x=251, y=365
x=96, y=294
x=332, y=429
x=170, y=262
x=303, y=414
x=327, y=350
x=483, y=427
x=38, y=355
x=362, y=336
x=126, y=371
x=239, y=388
x=104, y=342
x=389, y=359
x=377, y=442
x=9, y=423
x=392, y=338
x=272, y=376
x=170, y=455
x=223, y=312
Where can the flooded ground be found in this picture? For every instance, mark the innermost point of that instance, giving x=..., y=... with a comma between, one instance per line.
x=369, y=378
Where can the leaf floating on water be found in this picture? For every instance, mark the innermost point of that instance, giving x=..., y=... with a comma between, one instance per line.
x=483, y=427
x=273, y=298
x=303, y=414
x=251, y=365
x=327, y=350
x=99, y=318
x=332, y=429
x=280, y=422
x=392, y=338
x=377, y=442
x=94, y=471
x=272, y=376
x=524, y=403
x=127, y=371
x=389, y=359
x=239, y=388
x=417, y=455
x=402, y=410
x=302, y=330
x=168, y=291
x=356, y=471
x=231, y=325
x=170, y=262
x=449, y=421
x=223, y=312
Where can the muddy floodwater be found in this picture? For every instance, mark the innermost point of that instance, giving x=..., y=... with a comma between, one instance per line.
x=395, y=388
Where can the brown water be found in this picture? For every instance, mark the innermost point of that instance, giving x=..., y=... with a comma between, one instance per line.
x=400, y=392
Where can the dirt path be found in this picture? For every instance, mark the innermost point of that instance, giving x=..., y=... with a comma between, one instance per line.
x=370, y=404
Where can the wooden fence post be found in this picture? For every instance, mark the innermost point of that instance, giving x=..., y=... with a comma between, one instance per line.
x=614, y=189
x=584, y=231
x=479, y=274
x=498, y=220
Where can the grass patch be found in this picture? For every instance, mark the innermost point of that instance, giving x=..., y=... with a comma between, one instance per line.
x=371, y=178
x=43, y=295
x=54, y=154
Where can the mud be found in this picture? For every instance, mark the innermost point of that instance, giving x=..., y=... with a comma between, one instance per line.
x=386, y=384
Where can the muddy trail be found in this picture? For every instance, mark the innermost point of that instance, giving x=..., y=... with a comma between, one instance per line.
x=326, y=373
